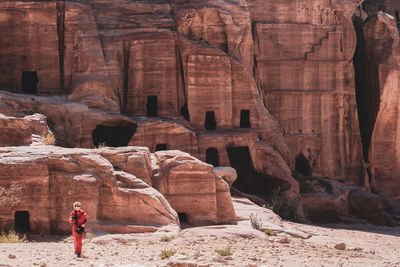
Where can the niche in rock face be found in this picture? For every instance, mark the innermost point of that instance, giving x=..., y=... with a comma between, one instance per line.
x=29, y=82
x=183, y=217
x=113, y=136
x=21, y=221
x=152, y=106
x=160, y=147
x=210, y=123
x=302, y=165
x=212, y=157
x=245, y=119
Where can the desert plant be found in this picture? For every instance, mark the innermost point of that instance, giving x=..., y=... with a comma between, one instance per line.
x=150, y=243
x=89, y=236
x=166, y=238
x=270, y=232
x=167, y=253
x=11, y=236
x=256, y=223
x=276, y=200
x=101, y=145
x=224, y=252
x=49, y=139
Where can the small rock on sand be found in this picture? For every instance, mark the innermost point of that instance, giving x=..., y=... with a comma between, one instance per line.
x=340, y=246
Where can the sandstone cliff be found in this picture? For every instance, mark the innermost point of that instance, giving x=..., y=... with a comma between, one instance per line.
x=275, y=89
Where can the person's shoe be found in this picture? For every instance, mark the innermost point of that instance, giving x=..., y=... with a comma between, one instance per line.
x=79, y=255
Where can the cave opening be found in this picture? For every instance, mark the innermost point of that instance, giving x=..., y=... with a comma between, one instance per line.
x=245, y=119
x=212, y=156
x=21, y=221
x=210, y=123
x=302, y=166
x=160, y=147
x=183, y=217
x=248, y=179
x=29, y=82
x=185, y=112
x=152, y=106
x=113, y=136
x=367, y=88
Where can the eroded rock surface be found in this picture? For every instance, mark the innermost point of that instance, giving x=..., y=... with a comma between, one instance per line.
x=113, y=184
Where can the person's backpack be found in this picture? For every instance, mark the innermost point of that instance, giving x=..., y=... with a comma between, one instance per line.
x=80, y=229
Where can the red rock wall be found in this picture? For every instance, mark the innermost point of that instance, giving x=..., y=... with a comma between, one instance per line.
x=29, y=42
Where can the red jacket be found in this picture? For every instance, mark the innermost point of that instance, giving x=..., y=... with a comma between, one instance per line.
x=81, y=218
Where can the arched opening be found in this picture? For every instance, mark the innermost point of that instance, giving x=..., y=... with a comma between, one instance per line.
x=183, y=218
x=160, y=147
x=113, y=136
x=21, y=221
x=210, y=123
x=29, y=82
x=302, y=165
x=185, y=112
x=212, y=157
x=245, y=119
x=152, y=106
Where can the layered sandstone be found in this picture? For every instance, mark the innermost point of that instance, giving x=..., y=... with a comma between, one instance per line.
x=266, y=87
x=114, y=185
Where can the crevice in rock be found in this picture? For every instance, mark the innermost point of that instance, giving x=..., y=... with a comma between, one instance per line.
x=126, y=56
x=367, y=88
x=60, y=6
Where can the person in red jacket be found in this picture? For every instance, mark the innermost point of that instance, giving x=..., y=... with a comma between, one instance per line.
x=78, y=219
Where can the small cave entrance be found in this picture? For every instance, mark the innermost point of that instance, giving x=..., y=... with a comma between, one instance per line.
x=185, y=112
x=21, y=221
x=302, y=166
x=367, y=88
x=397, y=16
x=183, y=217
x=248, y=179
x=212, y=156
x=210, y=123
x=245, y=119
x=152, y=106
x=29, y=82
x=113, y=136
x=160, y=147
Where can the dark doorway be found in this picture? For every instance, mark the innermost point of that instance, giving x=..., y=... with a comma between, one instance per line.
x=210, y=123
x=245, y=119
x=29, y=82
x=21, y=221
x=185, y=112
x=114, y=136
x=302, y=166
x=152, y=106
x=160, y=147
x=212, y=157
x=183, y=218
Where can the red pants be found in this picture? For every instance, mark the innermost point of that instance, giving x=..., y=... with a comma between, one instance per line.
x=78, y=241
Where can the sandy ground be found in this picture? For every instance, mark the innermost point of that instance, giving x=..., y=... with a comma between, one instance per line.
x=197, y=246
